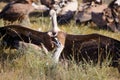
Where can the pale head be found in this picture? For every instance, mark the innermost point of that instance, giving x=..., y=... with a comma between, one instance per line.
x=53, y=16
x=63, y=3
x=98, y=0
x=52, y=12
x=117, y=2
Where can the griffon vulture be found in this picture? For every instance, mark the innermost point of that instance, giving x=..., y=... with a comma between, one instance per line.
x=19, y=11
x=67, y=12
x=85, y=11
x=109, y=18
x=89, y=47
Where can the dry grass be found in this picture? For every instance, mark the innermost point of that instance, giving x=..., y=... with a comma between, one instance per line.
x=35, y=65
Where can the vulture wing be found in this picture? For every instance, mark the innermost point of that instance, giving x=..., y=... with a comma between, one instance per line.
x=94, y=47
x=12, y=34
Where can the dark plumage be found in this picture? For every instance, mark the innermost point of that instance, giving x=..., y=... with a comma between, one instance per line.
x=19, y=11
x=48, y=3
x=90, y=1
x=66, y=9
x=109, y=18
x=16, y=33
x=115, y=8
x=94, y=47
x=85, y=12
x=105, y=20
x=65, y=18
x=67, y=12
x=104, y=16
x=16, y=11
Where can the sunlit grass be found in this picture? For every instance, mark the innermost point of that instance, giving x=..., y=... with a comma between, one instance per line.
x=36, y=66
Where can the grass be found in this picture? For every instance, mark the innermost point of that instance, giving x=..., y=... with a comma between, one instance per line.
x=35, y=65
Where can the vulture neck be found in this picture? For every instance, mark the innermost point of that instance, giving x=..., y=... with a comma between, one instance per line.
x=54, y=22
x=58, y=44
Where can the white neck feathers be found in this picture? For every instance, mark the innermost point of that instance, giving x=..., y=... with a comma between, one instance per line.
x=58, y=50
x=117, y=2
x=54, y=21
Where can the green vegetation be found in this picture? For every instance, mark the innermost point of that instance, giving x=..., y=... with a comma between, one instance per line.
x=35, y=65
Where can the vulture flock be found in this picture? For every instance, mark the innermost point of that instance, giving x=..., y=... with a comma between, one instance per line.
x=93, y=47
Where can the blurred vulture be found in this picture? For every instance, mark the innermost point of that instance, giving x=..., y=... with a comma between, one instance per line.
x=19, y=11
x=109, y=18
x=105, y=16
x=67, y=11
x=85, y=11
x=48, y=3
x=86, y=8
x=115, y=8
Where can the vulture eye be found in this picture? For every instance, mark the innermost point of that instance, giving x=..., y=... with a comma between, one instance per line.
x=66, y=2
